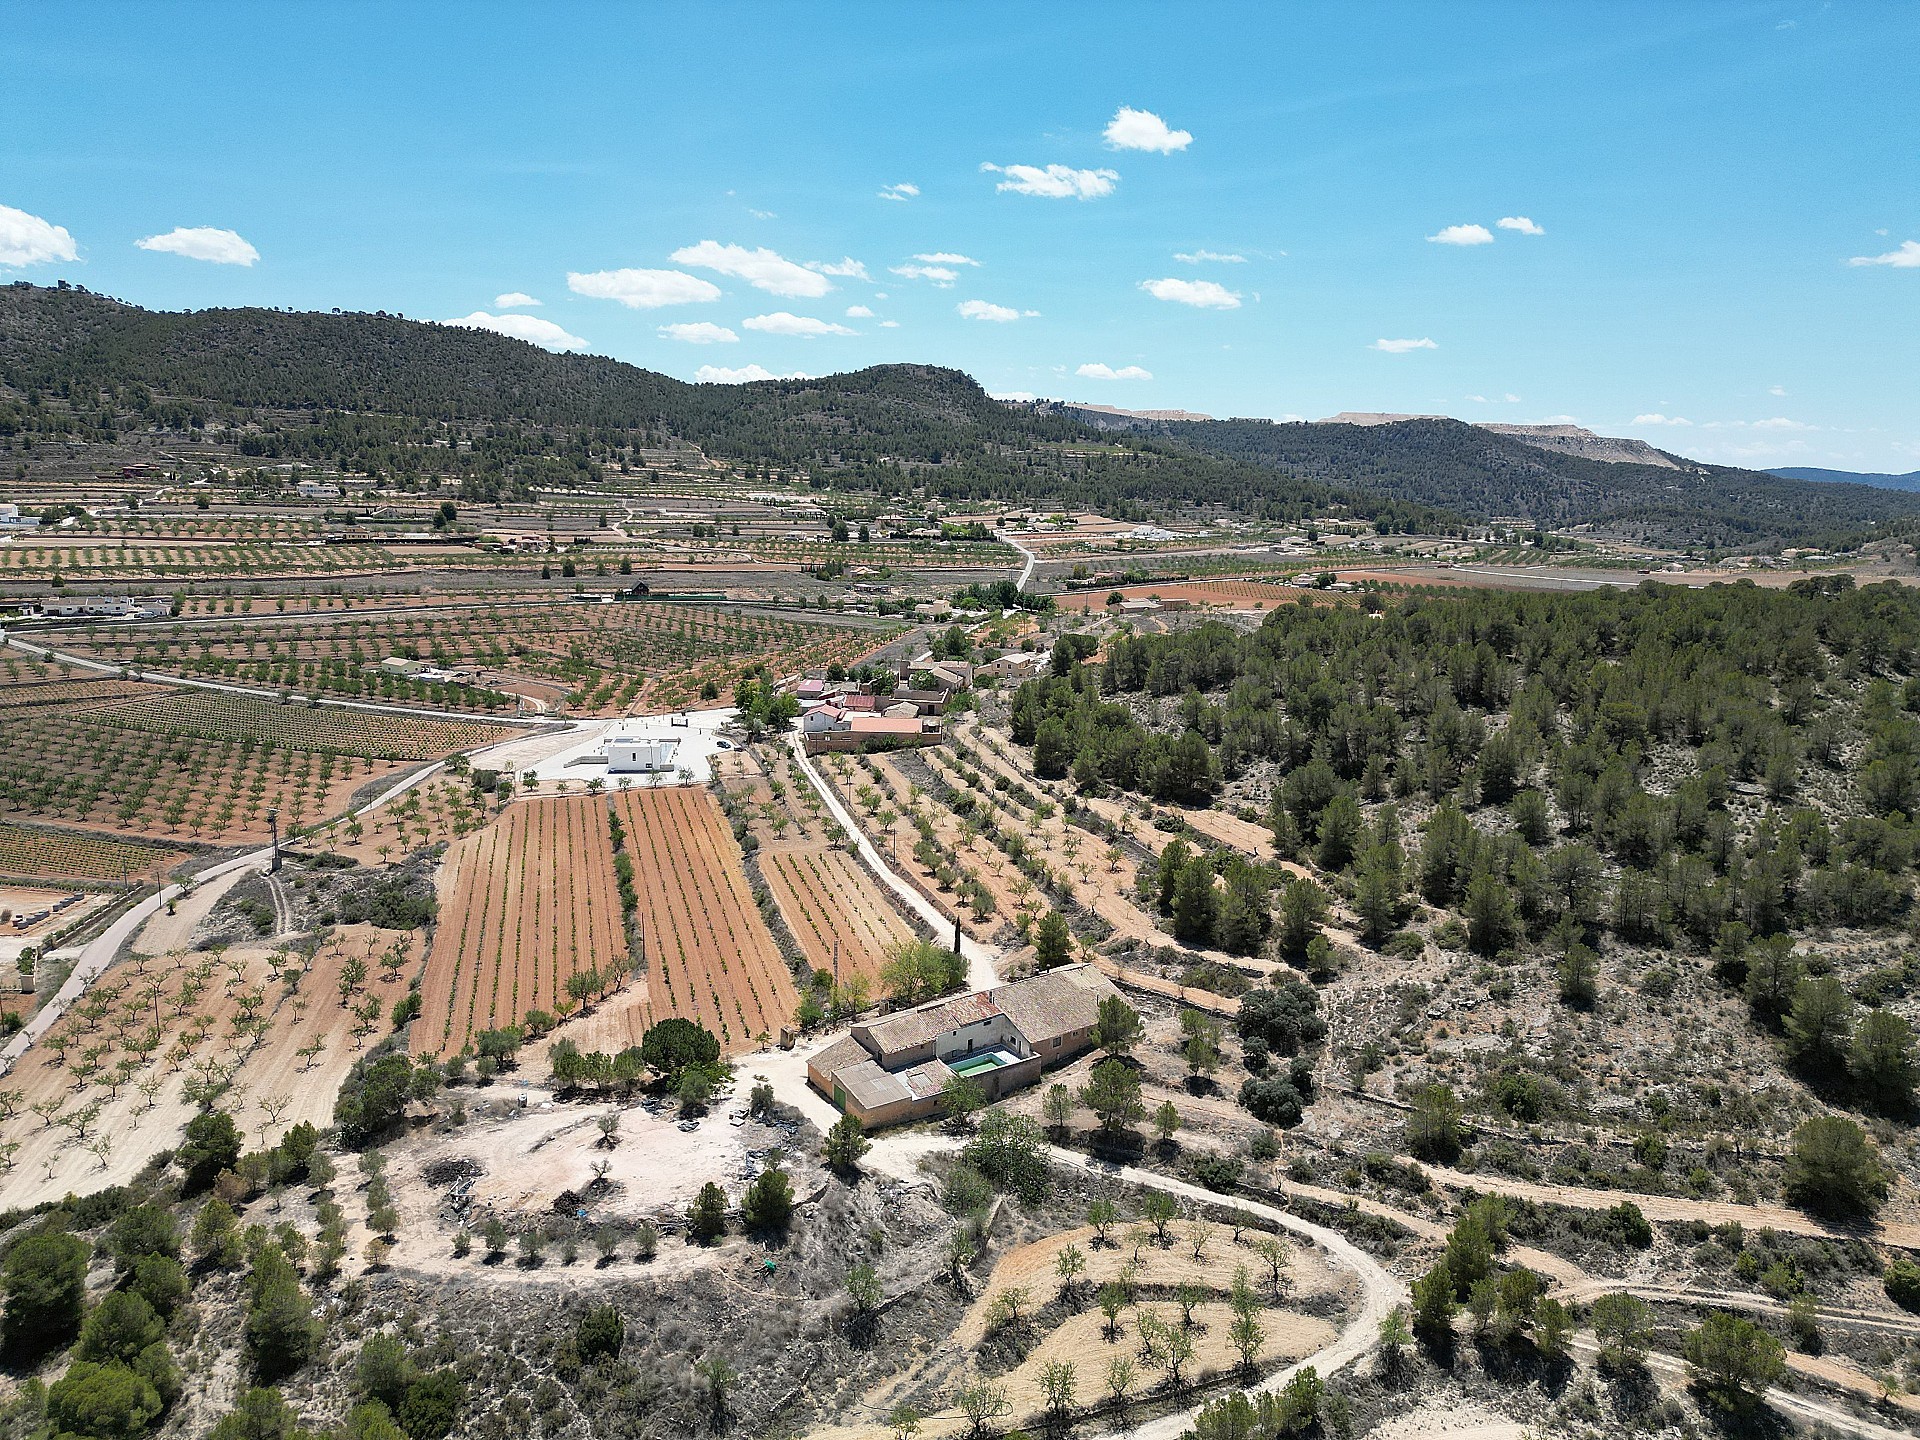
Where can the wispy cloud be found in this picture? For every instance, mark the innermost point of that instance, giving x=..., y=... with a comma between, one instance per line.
x=946, y=257
x=987, y=310
x=859, y=312
x=203, y=242
x=847, y=268
x=759, y=267
x=513, y=300
x=1201, y=294
x=741, y=375
x=1101, y=371
x=1520, y=224
x=1462, y=235
x=1054, y=182
x=1658, y=419
x=1402, y=347
x=1132, y=129
x=1907, y=257
x=28, y=240
x=699, y=332
x=644, y=289
x=530, y=328
x=940, y=275
x=1779, y=390
x=783, y=322
x=1208, y=257
x=905, y=190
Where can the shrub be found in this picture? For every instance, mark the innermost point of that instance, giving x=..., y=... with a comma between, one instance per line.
x=1902, y=1281
x=600, y=1332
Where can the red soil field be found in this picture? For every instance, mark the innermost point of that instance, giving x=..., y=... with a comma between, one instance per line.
x=708, y=955
x=527, y=903
x=833, y=907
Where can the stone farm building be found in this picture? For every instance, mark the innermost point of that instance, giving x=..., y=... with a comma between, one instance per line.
x=894, y=1068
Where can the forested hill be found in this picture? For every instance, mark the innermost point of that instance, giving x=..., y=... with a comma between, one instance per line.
x=292, y=376
x=1475, y=472
x=382, y=393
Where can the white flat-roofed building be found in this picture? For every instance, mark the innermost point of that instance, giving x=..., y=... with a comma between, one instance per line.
x=640, y=754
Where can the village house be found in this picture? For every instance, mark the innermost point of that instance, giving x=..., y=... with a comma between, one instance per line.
x=895, y=1068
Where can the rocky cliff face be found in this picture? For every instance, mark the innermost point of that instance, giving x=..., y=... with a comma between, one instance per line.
x=1572, y=440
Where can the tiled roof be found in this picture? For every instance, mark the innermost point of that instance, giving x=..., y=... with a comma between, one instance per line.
x=1055, y=1003
x=911, y=1028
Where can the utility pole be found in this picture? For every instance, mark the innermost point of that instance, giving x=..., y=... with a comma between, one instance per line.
x=273, y=824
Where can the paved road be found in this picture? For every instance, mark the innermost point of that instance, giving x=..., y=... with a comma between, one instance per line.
x=1026, y=572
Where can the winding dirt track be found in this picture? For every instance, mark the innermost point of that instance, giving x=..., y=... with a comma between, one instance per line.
x=1904, y=1234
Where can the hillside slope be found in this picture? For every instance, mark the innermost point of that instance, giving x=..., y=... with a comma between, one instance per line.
x=382, y=393
x=1908, y=481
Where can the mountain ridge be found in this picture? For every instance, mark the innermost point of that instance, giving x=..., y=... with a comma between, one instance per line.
x=431, y=393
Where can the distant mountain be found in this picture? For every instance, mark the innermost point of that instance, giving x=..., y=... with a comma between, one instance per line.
x=1566, y=439
x=414, y=401
x=1908, y=481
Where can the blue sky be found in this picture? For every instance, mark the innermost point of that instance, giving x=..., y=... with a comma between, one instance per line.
x=1700, y=176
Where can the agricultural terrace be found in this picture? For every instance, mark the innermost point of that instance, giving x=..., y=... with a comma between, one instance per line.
x=606, y=658
x=1221, y=594
x=1149, y=1308
x=265, y=1033
x=146, y=558
x=533, y=903
x=845, y=926
x=34, y=853
x=203, y=765
x=707, y=956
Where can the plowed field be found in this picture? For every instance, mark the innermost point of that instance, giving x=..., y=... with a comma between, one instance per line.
x=708, y=955
x=526, y=903
x=834, y=909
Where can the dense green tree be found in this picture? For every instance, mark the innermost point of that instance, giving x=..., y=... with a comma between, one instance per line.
x=1732, y=1358
x=210, y=1144
x=102, y=1400
x=1052, y=941
x=281, y=1330
x=1112, y=1093
x=1834, y=1169
x=46, y=1290
x=1882, y=1060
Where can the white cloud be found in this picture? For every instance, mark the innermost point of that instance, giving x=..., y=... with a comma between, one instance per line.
x=1132, y=129
x=1907, y=257
x=1054, y=182
x=513, y=300
x=1201, y=294
x=1511, y=398
x=1780, y=390
x=699, y=332
x=28, y=240
x=940, y=275
x=1658, y=419
x=530, y=328
x=644, y=289
x=859, y=312
x=1462, y=235
x=889, y=324
x=1519, y=223
x=203, y=242
x=1100, y=371
x=903, y=191
x=783, y=322
x=947, y=257
x=722, y=375
x=1478, y=400
x=760, y=268
x=987, y=310
x=1013, y=395
x=763, y=214
x=848, y=268
x=1205, y=257
x=1401, y=347
x=1781, y=423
